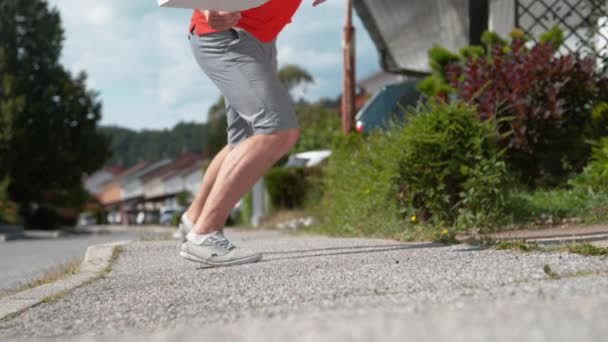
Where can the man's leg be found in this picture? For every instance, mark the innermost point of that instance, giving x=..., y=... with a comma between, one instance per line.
x=244, y=69
x=197, y=205
x=243, y=166
x=238, y=130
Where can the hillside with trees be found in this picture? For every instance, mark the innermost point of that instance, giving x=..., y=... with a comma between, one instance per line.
x=319, y=122
x=129, y=146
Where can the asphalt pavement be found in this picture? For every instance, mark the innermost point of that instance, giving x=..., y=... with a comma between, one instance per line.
x=24, y=260
x=311, y=288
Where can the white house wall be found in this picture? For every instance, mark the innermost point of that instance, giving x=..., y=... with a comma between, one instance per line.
x=154, y=188
x=192, y=181
x=131, y=189
x=502, y=16
x=94, y=183
x=173, y=185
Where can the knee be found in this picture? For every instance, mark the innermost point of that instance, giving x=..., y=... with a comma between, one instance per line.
x=285, y=140
x=292, y=138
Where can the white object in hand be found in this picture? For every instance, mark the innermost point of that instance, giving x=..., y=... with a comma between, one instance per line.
x=216, y=5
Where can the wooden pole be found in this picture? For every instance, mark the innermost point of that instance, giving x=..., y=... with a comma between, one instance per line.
x=348, y=94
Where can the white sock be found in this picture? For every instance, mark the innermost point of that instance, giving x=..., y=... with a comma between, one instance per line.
x=197, y=239
x=186, y=220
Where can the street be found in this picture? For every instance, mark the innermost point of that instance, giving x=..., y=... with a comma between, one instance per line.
x=23, y=260
x=311, y=288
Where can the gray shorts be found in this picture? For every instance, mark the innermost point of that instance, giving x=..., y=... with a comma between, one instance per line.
x=245, y=71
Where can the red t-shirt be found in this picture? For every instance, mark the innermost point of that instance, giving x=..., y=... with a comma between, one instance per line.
x=264, y=22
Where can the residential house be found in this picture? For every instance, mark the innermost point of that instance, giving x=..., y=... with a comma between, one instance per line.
x=139, y=194
x=162, y=187
x=132, y=186
x=110, y=195
x=404, y=30
x=111, y=192
x=95, y=183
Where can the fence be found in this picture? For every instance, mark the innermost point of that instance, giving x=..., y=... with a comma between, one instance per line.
x=584, y=22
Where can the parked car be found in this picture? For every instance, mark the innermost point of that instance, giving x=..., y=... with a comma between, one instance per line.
x=141, y=217
x=167, y=214
x=389, y=103
x=114, y=217
x=308, y=159
x=86, y=219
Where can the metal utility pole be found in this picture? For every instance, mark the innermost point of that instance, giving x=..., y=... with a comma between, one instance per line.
x=348, y=94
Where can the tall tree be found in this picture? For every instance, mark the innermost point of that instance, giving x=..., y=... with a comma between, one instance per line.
x=293, y=76
x=52, y=136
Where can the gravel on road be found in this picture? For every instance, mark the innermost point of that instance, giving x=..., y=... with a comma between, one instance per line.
x=309, y=288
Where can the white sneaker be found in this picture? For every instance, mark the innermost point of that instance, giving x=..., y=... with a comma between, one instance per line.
x=216, y=250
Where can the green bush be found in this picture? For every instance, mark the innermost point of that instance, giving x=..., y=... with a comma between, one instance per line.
x=440, y=168
x=289, y=187
x=549, y=104
x=598, y=127
x=594, y=178
x=552, y=206
x=319, y=127
x=449, y=169
x=175, y=219
x=8, y=209
x=44, y=217
x=585, y=198
x=246, y=210
x=357, y=186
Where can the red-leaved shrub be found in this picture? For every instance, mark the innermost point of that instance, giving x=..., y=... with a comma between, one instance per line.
x=542, y=101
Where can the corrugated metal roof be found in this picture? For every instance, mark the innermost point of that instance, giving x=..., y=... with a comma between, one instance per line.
x=404, y=30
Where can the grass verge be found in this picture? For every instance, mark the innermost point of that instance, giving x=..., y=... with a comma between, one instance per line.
x=51, y=275
x=100, y=275
x=157, y=237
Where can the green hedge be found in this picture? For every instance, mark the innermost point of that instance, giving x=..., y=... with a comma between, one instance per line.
x=8, y=209
x=441, y=168
x=594, y=177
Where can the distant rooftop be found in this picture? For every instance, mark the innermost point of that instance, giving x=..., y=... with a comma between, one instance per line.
x=178, y=165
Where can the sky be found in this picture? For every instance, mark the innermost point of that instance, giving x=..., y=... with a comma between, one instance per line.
x=138, y=58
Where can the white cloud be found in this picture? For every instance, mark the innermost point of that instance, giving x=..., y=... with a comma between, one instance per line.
x=99, y=14
x=138, y=57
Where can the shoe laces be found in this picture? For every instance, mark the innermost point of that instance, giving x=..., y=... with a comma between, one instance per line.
x=220, y=240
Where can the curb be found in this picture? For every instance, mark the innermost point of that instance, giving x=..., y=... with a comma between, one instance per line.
x=153, y=229
x=596, y=235
x=597, y=240
x=571, y=239
x=10, y=232
x=97, y=259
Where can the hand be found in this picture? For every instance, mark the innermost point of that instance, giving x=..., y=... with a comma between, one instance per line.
x=220, y=20
x=318, y=2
